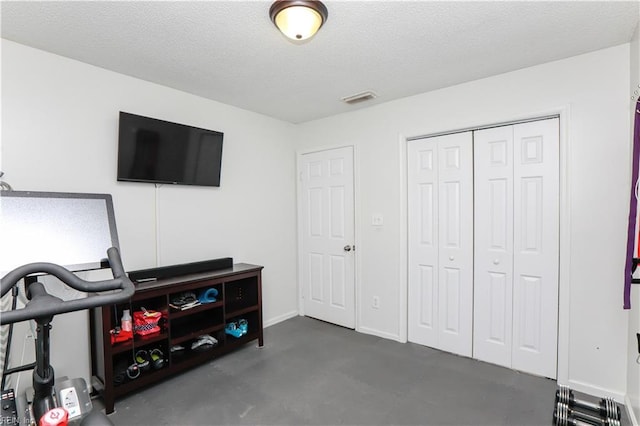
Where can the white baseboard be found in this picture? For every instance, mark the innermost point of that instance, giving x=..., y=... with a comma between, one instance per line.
x=279, y=318
x=379, y=333
x=631, y=412
x=596, y=391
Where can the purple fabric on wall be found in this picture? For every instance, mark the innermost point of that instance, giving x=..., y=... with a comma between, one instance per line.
x=631, y=236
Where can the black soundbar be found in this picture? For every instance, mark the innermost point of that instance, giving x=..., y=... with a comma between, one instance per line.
x=179, y=270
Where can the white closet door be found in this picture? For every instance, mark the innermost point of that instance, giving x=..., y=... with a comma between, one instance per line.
x=441, y=242
x=455, y=240
x=516, y=246
x=536, y=247
x=422, y=179
x=493, y=262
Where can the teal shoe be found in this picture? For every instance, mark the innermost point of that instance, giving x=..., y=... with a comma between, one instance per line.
x=233, y=330
x=243, y=325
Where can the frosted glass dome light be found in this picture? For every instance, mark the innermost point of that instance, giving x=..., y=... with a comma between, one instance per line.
x=298, y=19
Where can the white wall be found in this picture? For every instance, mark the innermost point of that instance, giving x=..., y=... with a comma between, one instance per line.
x=593, y=91
x=633, y=366
x=60, y=133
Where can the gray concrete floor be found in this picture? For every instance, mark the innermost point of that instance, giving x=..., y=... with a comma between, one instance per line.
x=313, y=373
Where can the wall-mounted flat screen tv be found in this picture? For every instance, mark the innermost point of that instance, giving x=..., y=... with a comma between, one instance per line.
x=157, y=151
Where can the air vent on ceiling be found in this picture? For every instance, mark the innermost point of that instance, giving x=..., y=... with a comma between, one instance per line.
x=359, y=97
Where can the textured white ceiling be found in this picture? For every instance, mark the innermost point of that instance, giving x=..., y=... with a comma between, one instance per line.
x=230, y=51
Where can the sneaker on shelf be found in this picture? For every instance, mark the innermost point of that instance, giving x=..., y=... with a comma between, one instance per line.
x=232, y=329
x=243, y=325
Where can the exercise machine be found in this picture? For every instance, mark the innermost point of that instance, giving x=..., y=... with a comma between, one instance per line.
x=54, y=233
x=42, y=307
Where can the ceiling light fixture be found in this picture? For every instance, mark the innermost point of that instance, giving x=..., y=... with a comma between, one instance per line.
x=298, y=19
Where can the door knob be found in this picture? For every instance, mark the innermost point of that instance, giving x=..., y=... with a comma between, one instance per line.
x=451, y=258
x=496, y=261
x=347, y=248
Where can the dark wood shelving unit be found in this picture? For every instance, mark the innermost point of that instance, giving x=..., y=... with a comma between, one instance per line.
x=239, y=296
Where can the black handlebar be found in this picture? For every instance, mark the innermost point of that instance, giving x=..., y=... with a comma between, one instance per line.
x=53, y=305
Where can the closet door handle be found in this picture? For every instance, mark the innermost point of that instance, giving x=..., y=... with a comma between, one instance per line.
x=451, y=258
x=496, y=261
x=347, y=248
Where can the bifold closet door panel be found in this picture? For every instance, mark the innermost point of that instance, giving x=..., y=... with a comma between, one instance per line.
x=440, y=204
x=536, y=247
x=493, y=254
x=516, y=255
x=455, y=240
x=422, y=179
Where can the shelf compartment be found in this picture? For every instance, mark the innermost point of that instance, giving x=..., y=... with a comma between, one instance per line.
x=138, y=342
x=188, y=355
x=196, y=323
x=194, y=358
x=115, y=319
x=252, y=322
x=241, y=294
x=175, y=313
x=193, y=293
x=195, y=334
x=240, y=312
x=157, y=303
x=126, y=359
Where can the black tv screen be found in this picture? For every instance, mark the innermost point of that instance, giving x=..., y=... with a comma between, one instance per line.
x=157, y=151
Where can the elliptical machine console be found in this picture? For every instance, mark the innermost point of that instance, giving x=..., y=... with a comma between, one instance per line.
x=42, y=306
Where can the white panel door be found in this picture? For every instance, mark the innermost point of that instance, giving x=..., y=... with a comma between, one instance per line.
x=455, y=241
x=536, y=247
x=440, y=203
x=493, y=247
x=422, y=180
x=516, y=182
x=326, y=214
